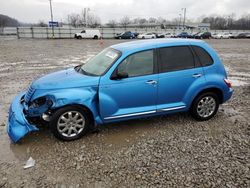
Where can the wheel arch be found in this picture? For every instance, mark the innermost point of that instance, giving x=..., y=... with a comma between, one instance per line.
x=82, y=106
x=215, y=90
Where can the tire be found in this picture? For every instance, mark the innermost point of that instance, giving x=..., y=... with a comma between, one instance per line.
x=143, y=37
x=79, y=37
x=95, y=37
x=205, y=106
x=61, y=121
x=120, y=37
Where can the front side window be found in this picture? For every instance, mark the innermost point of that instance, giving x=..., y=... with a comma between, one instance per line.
x=175, y=58
x=138, y=64
x=101, y=62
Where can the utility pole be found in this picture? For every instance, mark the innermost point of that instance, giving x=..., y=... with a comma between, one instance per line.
x=184, y=18
x=180, y=21
x=51, y=15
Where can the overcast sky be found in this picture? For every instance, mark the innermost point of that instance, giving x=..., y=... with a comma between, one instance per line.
x=35, y=10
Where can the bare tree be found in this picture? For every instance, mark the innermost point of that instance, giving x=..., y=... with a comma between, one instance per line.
x=93, y=20
x=112, y=23
x=125, y=21
x=142, y=21
x=152, y=20
x=74, y=19
x=161, y=20
x=41, y=23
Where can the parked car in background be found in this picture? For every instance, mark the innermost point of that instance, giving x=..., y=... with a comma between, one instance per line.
x=225, y=35
x=88, y=34
x=242, y=35
x=213, y=35
x=122, y=83
x=146, y=36
x=135, y=34
x=184, y=35
x=125, y=35
x=165, y=35
x=202, y=35
x=234, y=35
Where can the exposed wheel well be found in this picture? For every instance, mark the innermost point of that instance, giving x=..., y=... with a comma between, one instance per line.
x=217, y=91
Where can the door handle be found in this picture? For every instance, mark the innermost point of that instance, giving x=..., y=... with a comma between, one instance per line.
x=197, y=75
x=151, y=82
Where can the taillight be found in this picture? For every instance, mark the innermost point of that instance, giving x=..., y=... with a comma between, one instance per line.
x=229, y=84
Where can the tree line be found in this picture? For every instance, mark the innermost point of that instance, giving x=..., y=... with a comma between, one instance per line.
x=228, y=22
x=87, y=19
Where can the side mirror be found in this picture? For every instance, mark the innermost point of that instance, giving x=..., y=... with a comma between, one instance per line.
x=120, y=75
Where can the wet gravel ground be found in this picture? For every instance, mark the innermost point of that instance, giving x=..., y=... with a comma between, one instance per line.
x=166, y=151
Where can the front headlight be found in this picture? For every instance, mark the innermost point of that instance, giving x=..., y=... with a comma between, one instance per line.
x=40, y=102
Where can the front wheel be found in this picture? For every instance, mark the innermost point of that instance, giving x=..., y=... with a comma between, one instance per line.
x=70, y=123
x=205, y=106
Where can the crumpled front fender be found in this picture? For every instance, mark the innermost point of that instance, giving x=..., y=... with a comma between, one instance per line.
x=17, y=125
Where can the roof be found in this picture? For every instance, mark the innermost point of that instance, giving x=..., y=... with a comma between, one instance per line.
x=153, y=43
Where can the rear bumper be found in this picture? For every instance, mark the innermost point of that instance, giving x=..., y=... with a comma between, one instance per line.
x=17, y=125
x=228, y=95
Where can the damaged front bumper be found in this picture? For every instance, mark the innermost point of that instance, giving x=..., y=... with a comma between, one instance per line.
x=17, y=125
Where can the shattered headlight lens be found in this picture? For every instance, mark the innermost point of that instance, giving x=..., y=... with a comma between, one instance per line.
x=40, y=102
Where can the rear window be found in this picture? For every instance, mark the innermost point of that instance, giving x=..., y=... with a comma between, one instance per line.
x=204, y=58
x=175, y=58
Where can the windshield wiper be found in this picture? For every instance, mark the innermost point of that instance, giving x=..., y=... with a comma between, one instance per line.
x=79, y=69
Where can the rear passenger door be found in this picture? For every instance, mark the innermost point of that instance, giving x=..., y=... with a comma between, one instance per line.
x=178, y=72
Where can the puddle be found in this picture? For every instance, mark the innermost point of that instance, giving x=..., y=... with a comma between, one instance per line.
x=126, y=132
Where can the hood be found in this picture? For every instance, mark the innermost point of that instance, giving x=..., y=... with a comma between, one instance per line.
x=65, y=79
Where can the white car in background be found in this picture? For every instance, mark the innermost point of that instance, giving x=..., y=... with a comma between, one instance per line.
x=88, y=34
x=146, y=36
x=166, y=35
x=223, y=36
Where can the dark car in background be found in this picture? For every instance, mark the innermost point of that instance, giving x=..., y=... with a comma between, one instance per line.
x=202, y=35
x=184, y=35
x=242, y=36
x=125, y=35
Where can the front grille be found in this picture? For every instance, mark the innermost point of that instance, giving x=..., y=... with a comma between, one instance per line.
x=29, y=94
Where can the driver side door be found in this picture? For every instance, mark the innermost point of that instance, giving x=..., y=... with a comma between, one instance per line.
x=133, y=96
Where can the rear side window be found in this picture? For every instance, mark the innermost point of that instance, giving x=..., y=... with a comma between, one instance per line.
x=175, y=58
x=204, y=58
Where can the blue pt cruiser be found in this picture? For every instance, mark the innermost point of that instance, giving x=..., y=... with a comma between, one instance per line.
x=125, y=81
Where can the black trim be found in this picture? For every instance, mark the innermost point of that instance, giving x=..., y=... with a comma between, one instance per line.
x=199, y=57
x=197, y=61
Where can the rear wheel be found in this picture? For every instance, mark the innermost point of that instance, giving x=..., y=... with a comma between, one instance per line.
x=79, y=37
x=205, y=106
x=95, y=37
x=70, y=123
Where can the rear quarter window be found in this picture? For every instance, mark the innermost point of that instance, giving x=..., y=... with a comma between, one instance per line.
x=203, y=56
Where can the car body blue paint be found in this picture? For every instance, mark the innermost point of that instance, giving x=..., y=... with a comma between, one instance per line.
x=17, y=125
x=115, y=100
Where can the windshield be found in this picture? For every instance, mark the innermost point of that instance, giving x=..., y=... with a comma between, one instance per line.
x=101, y=62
